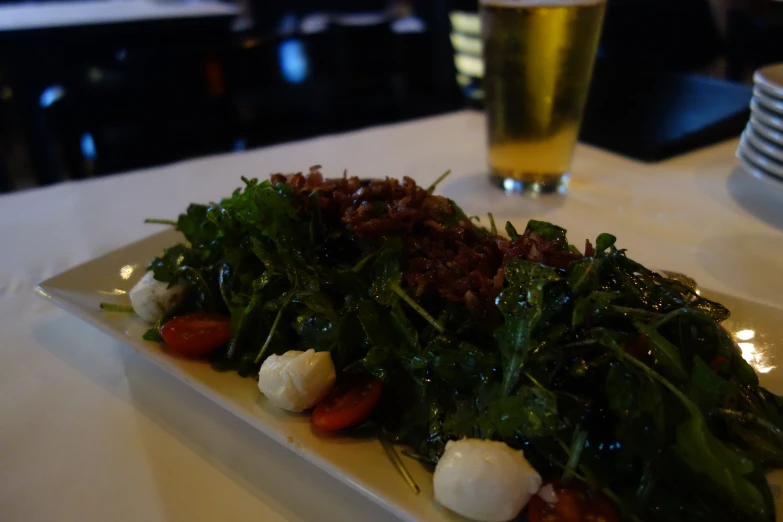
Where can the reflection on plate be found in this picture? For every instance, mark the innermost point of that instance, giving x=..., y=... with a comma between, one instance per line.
x=360, y=464
x=758, y=158
x=773, y=104
x=770, y=149
x=770, y=79
x=768, y=132
x=768, y=179
x=767, y=117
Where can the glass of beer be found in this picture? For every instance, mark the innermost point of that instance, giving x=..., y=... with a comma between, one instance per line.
x=538, y=59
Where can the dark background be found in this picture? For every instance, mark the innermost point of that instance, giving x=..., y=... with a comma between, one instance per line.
x=90, y=101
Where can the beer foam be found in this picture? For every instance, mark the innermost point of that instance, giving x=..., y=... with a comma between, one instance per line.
x=539, y=3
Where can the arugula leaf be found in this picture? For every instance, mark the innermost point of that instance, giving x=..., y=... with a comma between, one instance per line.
x=635, y=398
x=707, y=456
x=387, y=271
x=435, y=183
x=153, y=334
x=664, y=352
x=714, y=338
x=374, y=325
x=404, y=326
x=493, y=228
x=529, y=413
x=699, y=450
x=194, y=225
x=706, y=389
x=603, y=243
x=547, y=230
x=462, y=367
x=318, y=302
x=318, y=331
x=759, y=438
x=166, y=268
x=591, y=306
x=521, y=304
x=317, y=228
x=585, y=275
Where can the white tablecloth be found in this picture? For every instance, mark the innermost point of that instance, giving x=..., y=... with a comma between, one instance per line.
x=89, y=432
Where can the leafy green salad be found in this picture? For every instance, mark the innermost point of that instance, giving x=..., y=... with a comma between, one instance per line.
x=612, y=379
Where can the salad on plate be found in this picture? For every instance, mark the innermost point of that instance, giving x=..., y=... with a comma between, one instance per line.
x=539, y=381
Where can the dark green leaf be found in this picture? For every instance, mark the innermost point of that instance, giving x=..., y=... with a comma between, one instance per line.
x=604, y=242
x=153, y=334
x=404, y=326
x=705, y=455
x=591, y=306
x=584, y=276
x=529, y=413
x=706, y=388
x=521, y=304
x=547, y=230
x=665, y=353
x=194, y=225
x=387, y=271
x=635, y=398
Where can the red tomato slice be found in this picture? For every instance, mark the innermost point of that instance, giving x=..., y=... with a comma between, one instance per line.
x=196, y=334
x=717, y=361
x=348, y=404
x=574, y=504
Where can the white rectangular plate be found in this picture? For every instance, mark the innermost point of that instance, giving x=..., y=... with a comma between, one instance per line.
x=360, y=464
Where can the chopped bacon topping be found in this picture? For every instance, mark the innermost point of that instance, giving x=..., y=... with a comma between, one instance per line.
x=445, y=252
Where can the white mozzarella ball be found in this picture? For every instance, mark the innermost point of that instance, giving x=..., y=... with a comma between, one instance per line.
x=548, y=494
x=297, y=380
x=152, y=299
x=484, y=480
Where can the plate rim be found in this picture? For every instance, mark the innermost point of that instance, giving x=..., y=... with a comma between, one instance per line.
x=312, y=457
x=48, y=288
x=774, y=136
x=759, y=158
x=769, y=118
x=762, y=144
x=756, y=172
x=769, y=102
x=761, y=79
x=44, y=289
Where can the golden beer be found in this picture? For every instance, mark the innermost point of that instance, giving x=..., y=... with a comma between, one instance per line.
x=538, y=58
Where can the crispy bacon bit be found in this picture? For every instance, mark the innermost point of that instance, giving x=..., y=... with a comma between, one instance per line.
x=444, y=254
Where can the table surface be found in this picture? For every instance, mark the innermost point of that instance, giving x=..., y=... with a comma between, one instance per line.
x=44, y=15
x=92, y=432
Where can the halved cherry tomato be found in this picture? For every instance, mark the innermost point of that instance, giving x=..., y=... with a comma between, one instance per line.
x=348, y=404
x=717, y=361
x=196, y=334
x=574, y=504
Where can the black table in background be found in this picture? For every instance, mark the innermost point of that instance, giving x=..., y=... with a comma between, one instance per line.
x=652, y=115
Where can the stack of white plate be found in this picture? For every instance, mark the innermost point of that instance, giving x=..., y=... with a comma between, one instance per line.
x=761, y=148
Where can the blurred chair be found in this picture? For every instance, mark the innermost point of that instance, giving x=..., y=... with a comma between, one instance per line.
x=319, y=71
x=365, y=68
x=132, y=107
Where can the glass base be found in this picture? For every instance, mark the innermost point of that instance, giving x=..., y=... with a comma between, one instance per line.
x=531, y=185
